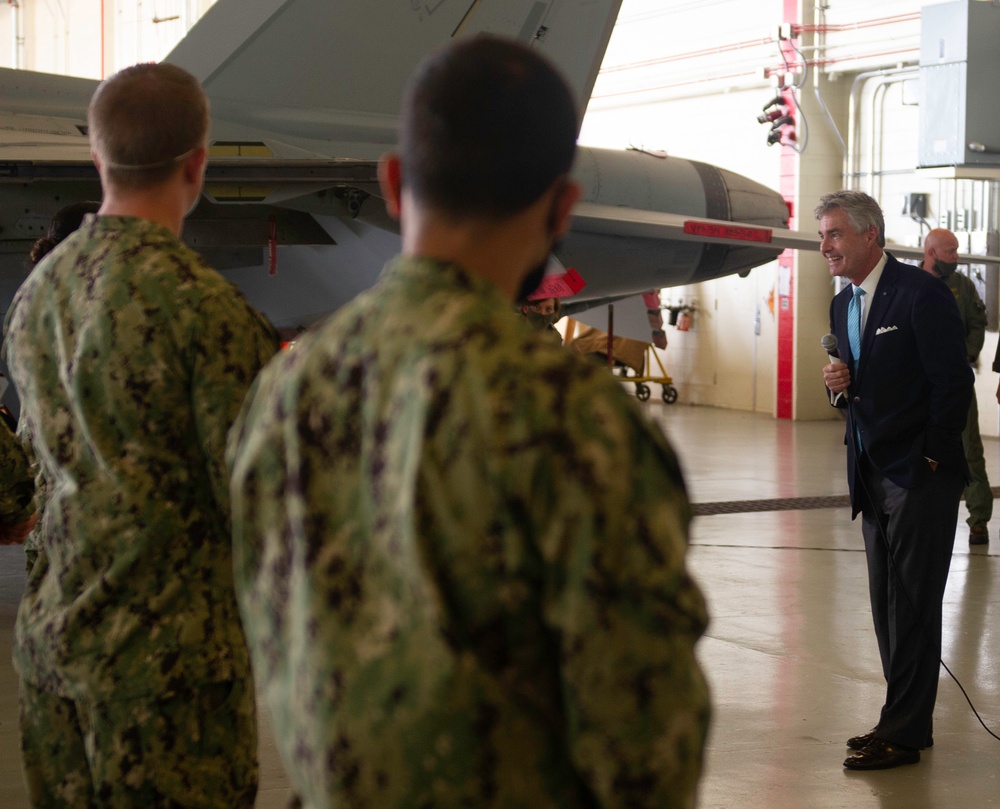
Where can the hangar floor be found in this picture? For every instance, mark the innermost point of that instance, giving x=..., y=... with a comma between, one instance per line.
x=790, y=652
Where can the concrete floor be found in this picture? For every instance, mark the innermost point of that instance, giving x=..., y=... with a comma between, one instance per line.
x=790, y=652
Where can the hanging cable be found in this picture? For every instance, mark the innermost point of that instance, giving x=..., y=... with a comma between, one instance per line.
x=800, y=147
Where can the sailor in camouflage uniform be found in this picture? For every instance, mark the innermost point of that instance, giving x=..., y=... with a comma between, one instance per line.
x=460, y=549
x=17, y=490
x=132, y=358
x=941, y=260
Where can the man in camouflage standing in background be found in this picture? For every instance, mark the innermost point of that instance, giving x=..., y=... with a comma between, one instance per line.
x=131, y=358
x=460, y=549
x=941, y=261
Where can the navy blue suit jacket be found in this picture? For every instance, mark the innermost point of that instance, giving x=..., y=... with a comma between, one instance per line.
x=912, y=393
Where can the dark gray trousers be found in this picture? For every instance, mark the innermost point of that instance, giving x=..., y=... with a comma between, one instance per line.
x=909, y=537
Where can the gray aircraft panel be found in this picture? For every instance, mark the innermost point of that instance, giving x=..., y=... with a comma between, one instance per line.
x=43, y=116
x=634, y=179
x=334, y=70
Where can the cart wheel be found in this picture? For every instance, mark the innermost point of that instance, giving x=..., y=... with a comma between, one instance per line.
x=641, y=391
x=669, y=394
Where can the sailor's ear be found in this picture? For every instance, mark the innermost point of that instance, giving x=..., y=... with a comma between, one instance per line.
x=195, y=164
x=567, y=197
x=390, y=180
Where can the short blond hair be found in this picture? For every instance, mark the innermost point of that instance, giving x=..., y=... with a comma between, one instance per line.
x=144, y=120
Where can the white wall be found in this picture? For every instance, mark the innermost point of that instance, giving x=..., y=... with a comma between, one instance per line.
x=93, y=38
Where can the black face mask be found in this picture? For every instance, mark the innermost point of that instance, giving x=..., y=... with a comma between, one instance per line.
x=540, y=321
x=944, y=268
x=533, y=279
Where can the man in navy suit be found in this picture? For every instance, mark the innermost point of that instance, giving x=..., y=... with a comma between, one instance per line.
x=906, y=384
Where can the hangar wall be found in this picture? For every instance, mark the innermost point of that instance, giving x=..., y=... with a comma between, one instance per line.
x=691, y=77
x=722, y=361
x=92, y=38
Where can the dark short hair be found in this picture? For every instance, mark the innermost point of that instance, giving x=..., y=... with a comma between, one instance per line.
x=487, y=126
x=862, y=211
x=65, y=221
x=144, y=119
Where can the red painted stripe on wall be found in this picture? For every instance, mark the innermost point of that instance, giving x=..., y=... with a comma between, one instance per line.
x=785, y=367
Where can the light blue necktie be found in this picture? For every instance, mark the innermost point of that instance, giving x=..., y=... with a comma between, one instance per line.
x=854, y=326
x=854, y=337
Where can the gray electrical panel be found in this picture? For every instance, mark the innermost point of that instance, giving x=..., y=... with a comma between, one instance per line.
x=959, y=100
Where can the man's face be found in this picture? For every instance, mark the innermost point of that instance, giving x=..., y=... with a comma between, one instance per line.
x=848, y=254
x=545, y=307
x=947, y=249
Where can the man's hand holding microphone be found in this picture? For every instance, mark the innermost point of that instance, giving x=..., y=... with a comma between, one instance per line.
x=836, y=375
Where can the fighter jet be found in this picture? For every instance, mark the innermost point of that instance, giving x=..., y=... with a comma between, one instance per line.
x=304, y=98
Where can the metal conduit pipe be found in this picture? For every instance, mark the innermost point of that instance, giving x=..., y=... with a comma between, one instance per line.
x=876, y=140
x=911, y=16
x=680, y=57
x=55, y=30
x=819, y=12
x=852, y=166
x=876, y=170
x=16, y=34
x=829, y=116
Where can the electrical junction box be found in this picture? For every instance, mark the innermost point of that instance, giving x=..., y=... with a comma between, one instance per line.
x=959, y=101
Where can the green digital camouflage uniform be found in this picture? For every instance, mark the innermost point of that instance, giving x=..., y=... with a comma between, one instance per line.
x=978, y=494
x=460, y=559
x=17, y=489
x=132, y=359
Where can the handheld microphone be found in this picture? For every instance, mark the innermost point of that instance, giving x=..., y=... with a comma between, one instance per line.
x=829, y=343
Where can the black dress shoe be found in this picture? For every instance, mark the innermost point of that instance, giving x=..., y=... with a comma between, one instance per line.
x=882, y=755
x=862, y=741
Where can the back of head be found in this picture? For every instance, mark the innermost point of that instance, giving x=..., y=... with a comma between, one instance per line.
x=487, y=126
x=862, y=211
x=65, y=221
x=144, y=120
